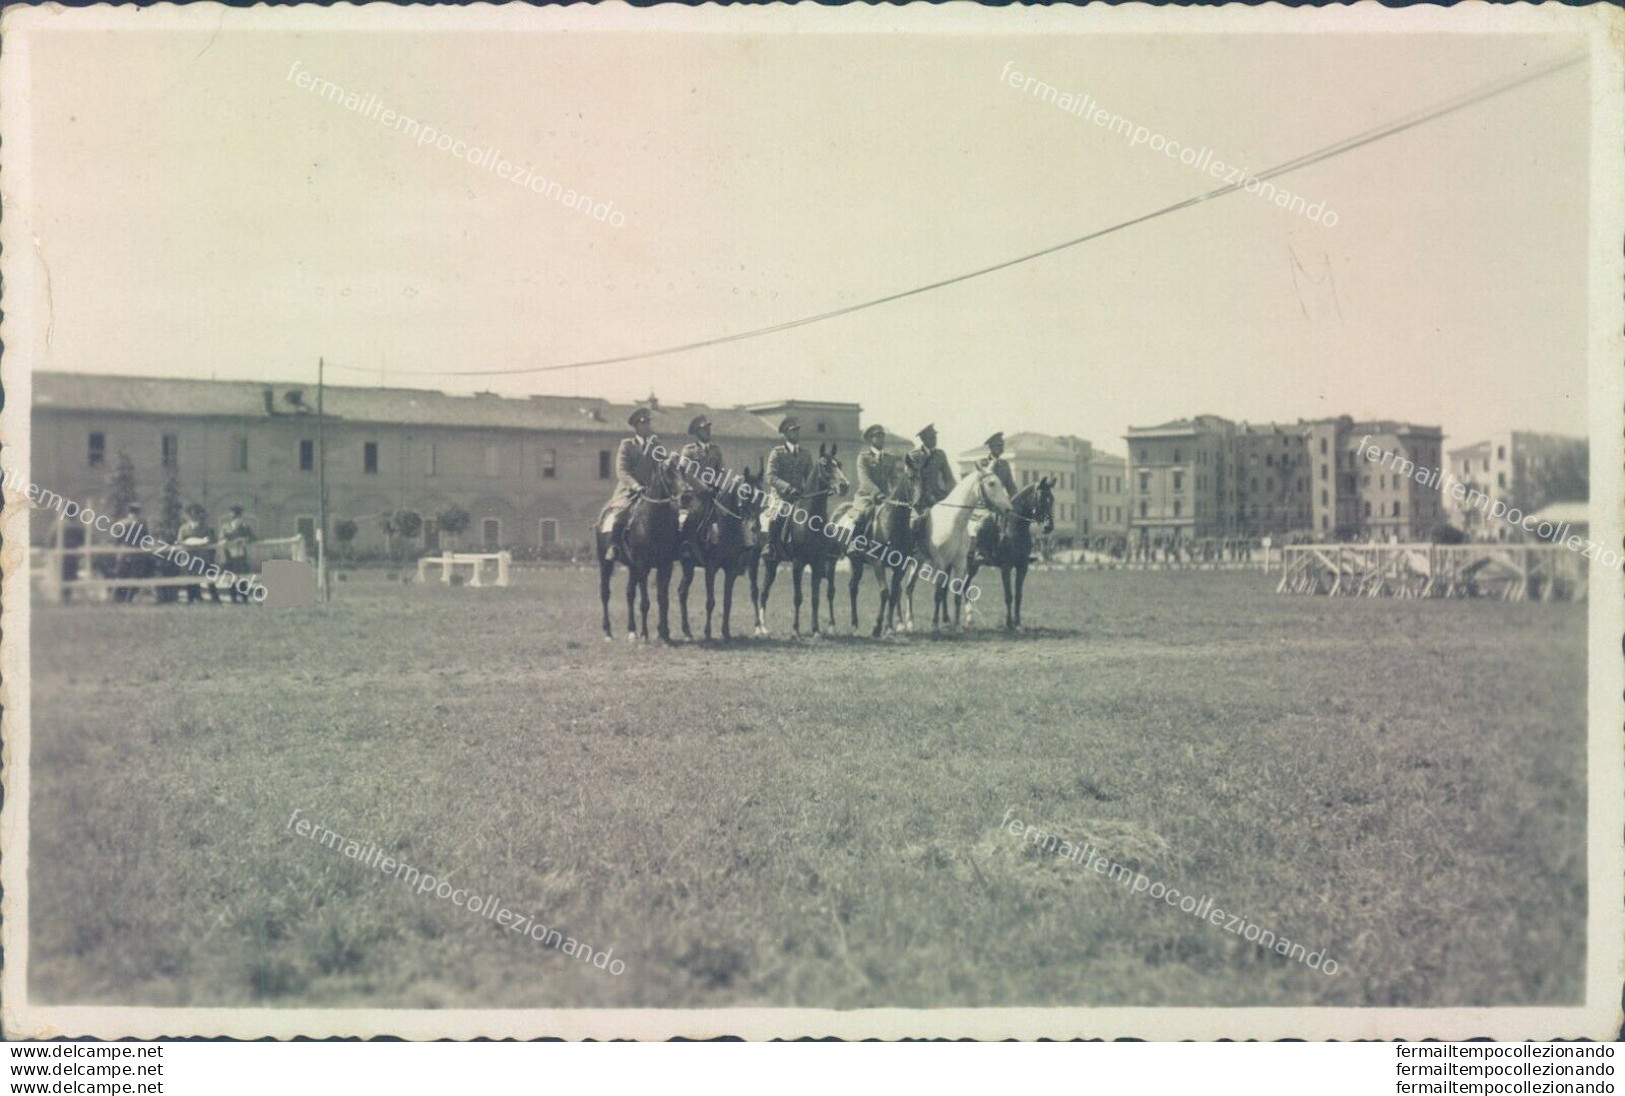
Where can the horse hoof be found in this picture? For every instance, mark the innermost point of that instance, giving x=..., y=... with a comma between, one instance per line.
x=631, y=637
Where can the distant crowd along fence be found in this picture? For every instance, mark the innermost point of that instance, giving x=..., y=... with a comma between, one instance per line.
x=62, y=571
x=448, y=562
x=1507, y=572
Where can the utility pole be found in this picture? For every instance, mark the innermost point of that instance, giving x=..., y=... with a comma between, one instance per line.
x=321, y=483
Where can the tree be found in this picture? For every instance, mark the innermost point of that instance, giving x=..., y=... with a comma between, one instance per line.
x=344, y=531
x=409, y=524
x=121, y=491
x=452, y=521
x=406, y=524
x=1563, y=477
x=171, y=514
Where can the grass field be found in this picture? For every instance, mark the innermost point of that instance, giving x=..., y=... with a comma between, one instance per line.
x=810, y=823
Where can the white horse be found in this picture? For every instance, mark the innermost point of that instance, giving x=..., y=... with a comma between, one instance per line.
x=945, y=541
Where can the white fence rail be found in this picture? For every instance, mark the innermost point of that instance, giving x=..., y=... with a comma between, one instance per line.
x=1508, y=572
x=448, y=562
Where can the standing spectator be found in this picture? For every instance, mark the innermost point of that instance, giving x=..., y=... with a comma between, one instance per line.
x=133, y=564
x=237, y=535
x=197, y=537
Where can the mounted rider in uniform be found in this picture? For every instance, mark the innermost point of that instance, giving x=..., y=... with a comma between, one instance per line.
x=929, y=467
x=635, y=466
x=879, y=477
x=994, y=462
x=789, y=467
x=696, y=457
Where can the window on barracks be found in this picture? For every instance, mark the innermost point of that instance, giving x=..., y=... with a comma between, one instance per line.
x=307, y=454
x=172, y=450
x=241, y=453
x=1145, y=484
x=369, y=457
x=549, y=463
x=493, y=460
x=98, y=450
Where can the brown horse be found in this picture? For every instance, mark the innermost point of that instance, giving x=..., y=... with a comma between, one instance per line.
x=1006, y=542
x=723, y=540
x=809, y=543
x=648, y=543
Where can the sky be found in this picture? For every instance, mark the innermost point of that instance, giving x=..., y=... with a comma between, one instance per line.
x=201, y=214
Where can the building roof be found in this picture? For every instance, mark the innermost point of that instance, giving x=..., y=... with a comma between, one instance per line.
x=195, y=398
x=1183, y=426
x=1474, y=449
x=1030, y=444
x=1575, y=513
x=1107, y=459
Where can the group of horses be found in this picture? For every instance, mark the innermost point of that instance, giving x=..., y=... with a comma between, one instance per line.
x=724, y=532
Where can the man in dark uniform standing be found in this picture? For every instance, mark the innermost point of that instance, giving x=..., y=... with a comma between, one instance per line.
x=237, y=535
x=196, y=535
x=133, y=564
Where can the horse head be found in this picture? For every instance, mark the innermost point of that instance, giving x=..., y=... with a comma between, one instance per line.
x=750, y=495
x=991, y=494
x=1044, y=506
x=828, y=477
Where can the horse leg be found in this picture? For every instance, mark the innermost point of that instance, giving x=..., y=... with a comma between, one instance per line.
x=682, y=596
x=1009, y=618
x=795, y=581
x=643, y=605
x=883, y=584
x=852, y=589
x=663, y=592
x=767, y=588
x=632, y=580
x=606, y=571
x=728, y=577
x=1021, y=581
x=710, y=599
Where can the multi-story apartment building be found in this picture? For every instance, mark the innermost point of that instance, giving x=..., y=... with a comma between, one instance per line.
x=1033, y=456
x=1524, y=471
x=1270, y=481
x=1181, y=479
x=530, y=472
x=1208, y=476
x=1108, y=502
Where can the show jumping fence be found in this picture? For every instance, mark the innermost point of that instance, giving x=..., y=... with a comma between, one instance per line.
x=449, y=561
x=1508, y=572
x=61, y=571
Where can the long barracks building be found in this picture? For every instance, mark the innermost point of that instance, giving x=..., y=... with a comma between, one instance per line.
x=531, y=472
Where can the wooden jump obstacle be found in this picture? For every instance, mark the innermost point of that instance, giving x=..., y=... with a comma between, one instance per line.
x=48, y=566
x=1507, y=572
x=448, y=561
